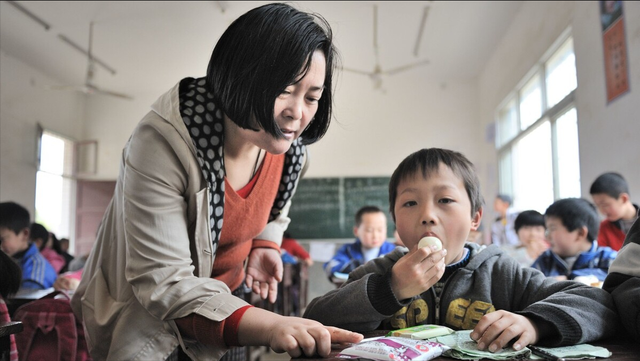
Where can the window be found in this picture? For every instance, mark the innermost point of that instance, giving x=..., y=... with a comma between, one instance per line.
x=54, y=183
x=537, y=140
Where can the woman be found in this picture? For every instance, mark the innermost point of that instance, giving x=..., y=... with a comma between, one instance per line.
x=225, y=149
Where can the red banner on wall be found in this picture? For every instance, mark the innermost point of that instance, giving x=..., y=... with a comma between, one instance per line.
x=615, y=49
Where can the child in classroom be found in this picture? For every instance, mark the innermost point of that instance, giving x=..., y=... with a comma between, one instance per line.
x=530, y=228
x=462, y=285
x=610, y=193
x=572, y=226
x=623, y=282
x=37, y=272
x=371, y=242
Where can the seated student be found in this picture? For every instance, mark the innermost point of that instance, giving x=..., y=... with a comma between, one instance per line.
x=42, y=238
x=529, y=226
x=436, y=192
x=610, y=193
x=37, y=272
x=572, y=225
x=9, y=284
x=371, y=242
x=291, y=246
x=623, y=282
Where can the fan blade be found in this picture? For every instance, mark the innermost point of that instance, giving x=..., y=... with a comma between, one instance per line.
x=423, y=22
x=405, y=67
x=114, y=94
x=357, y=71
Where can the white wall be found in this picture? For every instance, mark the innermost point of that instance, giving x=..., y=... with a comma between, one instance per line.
x=608, y=132
x=24, y=102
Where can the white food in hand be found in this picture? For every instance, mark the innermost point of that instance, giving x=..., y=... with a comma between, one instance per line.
x=430, y=241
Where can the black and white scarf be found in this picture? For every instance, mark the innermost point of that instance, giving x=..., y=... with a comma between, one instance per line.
x=204, y=121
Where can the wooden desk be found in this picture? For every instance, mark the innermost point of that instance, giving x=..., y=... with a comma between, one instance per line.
x=621, y=350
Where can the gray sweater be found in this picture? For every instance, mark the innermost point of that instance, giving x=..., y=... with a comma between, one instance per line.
x=565, y=312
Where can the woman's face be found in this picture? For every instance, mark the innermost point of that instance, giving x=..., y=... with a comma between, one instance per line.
x=295, y=108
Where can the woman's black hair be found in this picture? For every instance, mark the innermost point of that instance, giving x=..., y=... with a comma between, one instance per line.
x=260, y=54
x=11, y=275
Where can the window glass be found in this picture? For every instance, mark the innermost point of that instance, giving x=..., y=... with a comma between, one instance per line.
x=533, y=170
x=561, y=74
x=530, y=102
x=568, y=156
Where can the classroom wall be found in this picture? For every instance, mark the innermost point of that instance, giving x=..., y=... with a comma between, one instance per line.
x=24, y=102
x=608, y=132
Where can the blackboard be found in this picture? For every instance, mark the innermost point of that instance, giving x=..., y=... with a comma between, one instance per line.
x=325, y=208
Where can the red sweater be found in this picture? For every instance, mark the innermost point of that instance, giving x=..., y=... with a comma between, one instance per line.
x=246, y=213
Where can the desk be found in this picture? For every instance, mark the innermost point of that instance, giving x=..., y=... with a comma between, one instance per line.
x=621, y=350
x=7, y=329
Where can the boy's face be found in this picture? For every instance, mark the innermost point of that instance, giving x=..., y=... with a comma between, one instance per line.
x=563, y=243
x=372, y=231
x=612, y=208
x=12, y=243
x=439, y=207
x=530, y=234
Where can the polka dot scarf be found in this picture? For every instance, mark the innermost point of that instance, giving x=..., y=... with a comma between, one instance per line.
x=204, y=121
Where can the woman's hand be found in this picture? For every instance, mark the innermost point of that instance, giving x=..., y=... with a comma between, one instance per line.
x=264, y=271
x=294, y=335
x=496, y=329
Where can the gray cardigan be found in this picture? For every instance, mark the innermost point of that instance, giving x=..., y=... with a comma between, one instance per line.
x=570, y=311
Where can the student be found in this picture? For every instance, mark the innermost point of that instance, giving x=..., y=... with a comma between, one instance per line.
x=202, y=199
x=610, y=193
x=63, y=250
x=371, y=242
x=37, y=273
x=291, y=246
x=42, y=239
x=572, y=225
x=530, y=228
x=502, y=229
x=435, y=192
x=623, y=282
x=9, y=285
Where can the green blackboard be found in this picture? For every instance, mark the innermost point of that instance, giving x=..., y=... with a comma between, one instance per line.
x=324, y=208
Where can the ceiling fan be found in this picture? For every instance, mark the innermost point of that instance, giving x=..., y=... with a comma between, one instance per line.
x=376, y=74
x=89, y=87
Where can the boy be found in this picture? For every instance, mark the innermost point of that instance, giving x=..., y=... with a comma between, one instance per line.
x=37, y=273
x=502, y=229
x=435, y=192
x=623, y=282
x=572, y=225
x=530, y=228
x=610, y=193
x=371, y=242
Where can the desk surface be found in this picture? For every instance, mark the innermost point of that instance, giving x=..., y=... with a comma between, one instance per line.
x=621, y=350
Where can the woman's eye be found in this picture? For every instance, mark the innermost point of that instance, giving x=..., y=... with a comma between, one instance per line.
x=312, y=100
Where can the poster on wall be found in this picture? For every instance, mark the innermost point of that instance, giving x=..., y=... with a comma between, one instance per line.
x=615, y=49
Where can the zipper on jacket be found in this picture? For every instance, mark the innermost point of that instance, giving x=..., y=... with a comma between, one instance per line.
x=437, y=296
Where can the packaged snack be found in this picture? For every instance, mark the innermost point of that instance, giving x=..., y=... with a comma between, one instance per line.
x=387, y=348
x=421, y=332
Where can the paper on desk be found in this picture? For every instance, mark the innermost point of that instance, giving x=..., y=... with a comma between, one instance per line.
x=464, y=348
x=576, y=352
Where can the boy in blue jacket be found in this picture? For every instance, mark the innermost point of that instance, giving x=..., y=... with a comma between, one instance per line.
x=436, y=192
x=572, y=227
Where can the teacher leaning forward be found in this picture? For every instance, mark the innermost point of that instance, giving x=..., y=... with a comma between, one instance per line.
x=201, y=202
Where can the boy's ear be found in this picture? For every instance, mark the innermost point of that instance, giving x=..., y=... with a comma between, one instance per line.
x=477, y=218
x=624, y=197
x=355, y=231
x=583, y=232
x=24, y=234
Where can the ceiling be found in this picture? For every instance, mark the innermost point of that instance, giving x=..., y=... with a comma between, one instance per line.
x=151, y=45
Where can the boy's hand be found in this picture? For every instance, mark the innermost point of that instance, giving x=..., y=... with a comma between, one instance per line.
x=417, y=271
x=496, y=329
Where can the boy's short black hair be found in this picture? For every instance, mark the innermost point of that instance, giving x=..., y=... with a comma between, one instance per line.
x=529, y=218
x=14, y=217
x=366, y=210
x=11, y=275
x=427, y=161
x=611, y=184
x=505, y=198
x=576, y=213
x=259, y=55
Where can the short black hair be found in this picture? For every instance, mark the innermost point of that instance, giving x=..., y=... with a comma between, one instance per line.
x=14, y=217
x=610, y=183
x=505, y=198
x=260, y=54
x=529, y=218
x=427, y=161
x=576, y=213
x=39, y=231
x=366, y=210
x=11, y=275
